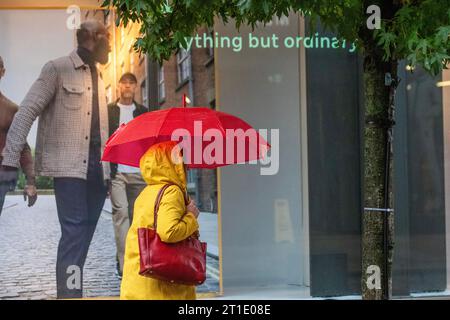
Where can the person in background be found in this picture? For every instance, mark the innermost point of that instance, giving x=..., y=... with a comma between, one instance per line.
x=8, y=179
x=70, y=100
x=126, y=181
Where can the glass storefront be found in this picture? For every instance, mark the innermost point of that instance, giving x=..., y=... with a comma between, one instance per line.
x=315, y=98
x=288, y=227
x=264, y=225
x=421, y=256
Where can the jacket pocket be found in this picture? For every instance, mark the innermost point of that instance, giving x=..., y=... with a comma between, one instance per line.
x=73, y=94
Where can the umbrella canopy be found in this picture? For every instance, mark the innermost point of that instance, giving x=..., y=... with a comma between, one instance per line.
x=209, y=138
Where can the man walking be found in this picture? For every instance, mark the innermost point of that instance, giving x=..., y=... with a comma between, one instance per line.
x=127, y=182
x=69, y=98
x=8, y=179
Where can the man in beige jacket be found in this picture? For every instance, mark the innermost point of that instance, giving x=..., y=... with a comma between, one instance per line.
x=69, y=99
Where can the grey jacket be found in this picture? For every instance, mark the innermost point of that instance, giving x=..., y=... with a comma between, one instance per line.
x=62, y=99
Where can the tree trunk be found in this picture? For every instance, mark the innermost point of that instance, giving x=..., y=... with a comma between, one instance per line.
x=377, y=169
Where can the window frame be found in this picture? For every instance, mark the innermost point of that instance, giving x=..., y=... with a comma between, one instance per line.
x=184, y=61
x=144, y=93
x=161, y=84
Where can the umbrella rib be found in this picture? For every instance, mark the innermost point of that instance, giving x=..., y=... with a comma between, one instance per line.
x=220, y=126
x=163, y=122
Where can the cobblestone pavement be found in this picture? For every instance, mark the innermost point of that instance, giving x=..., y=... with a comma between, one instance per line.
x=28, y=244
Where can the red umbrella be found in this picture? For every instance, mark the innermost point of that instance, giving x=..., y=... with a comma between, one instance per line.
x=209, y=138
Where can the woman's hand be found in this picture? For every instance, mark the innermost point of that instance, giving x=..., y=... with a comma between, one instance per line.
x=191, y=207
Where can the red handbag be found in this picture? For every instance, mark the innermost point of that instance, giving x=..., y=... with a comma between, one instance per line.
x=183, y=262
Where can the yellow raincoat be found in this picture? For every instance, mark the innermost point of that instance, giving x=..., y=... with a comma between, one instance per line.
x=157, y=170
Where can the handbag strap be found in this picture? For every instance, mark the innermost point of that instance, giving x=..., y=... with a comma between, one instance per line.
x=158, y=202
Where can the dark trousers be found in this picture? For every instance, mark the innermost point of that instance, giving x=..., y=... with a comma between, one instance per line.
x=79, y=203
x=5, y=187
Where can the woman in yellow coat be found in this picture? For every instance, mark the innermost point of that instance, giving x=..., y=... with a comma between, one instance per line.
x=158, y=169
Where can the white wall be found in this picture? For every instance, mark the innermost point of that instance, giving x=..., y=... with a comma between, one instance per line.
x=262, y=86
x=28, y=39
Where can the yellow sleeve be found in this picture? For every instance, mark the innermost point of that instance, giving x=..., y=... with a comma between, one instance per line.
x=171, y=228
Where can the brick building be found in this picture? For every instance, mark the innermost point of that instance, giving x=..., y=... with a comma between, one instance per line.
x=192, y=73
x=162, y=86
x=122, y=58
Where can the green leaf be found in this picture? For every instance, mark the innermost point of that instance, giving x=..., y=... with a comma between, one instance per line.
x=265, y=6
x=244, y=5
x=138, y=8
x=423, y=45
x=412, y=42
x=443, y=33
x=180, y=38
x=105, y=3
x=167, y=8
x=412, y=58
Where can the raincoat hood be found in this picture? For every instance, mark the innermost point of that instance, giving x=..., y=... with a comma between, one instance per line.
x=163, y=164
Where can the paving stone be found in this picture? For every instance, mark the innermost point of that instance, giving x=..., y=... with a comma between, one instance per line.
x=28, y=245
x=41, y=297
x=8, y=295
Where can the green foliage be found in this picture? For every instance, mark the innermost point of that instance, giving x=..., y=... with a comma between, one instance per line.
x=418, y=31
x=21, y=180
x=42, y=183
